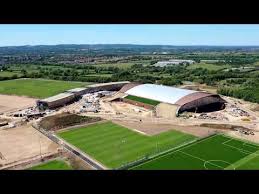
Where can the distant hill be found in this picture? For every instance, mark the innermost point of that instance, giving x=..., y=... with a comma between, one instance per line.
x=115, y=49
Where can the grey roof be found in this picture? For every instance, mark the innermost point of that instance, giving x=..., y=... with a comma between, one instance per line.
x=159, y=93
x=107, y=84
x=172, y=62
x=57, y=97
x=76, y=90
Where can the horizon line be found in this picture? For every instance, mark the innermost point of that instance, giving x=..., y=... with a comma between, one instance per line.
x=127, y=44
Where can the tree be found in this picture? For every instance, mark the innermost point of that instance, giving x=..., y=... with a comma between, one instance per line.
x=24, y=72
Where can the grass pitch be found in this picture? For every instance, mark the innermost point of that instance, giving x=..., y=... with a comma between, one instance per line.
x=114, y=145
x=143, y=100
x=36, y=88
x=53, y=165
x=214, y=153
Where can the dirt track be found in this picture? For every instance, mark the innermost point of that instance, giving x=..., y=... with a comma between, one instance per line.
x=10, y=103
x=152, y=128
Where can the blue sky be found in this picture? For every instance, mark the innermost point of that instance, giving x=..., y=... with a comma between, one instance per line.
x=11, y=35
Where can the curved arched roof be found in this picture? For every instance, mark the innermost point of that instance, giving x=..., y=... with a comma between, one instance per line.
x=193, y=96
x=160, y=93
x=128, y=86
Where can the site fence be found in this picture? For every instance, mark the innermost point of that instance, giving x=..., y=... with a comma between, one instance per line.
x=158, y=153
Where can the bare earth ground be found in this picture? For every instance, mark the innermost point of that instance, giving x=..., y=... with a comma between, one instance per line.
x=10, y=103
x=129, y=109
x=21, y=143
x=253, y=138
x=152, y=128
x=248, y=106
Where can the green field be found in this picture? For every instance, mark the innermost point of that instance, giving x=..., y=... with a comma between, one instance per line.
x=208, y=66
x=114, y=145
x=256, y=64
x=99, y=75
x=119, y=65
x=214, y=153
x=53, y=165
x=9, y=74
x=143, y=100
x=36, y=88
x=250, y=163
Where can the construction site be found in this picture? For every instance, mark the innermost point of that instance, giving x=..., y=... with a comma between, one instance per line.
x=27, y=132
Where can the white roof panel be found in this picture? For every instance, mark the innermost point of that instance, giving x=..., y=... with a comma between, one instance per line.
x=57, y=97
x=107, y=84
x=76, y=90
x=160, y=93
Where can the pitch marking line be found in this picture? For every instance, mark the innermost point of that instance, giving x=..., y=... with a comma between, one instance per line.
x=176, y=149
x=205, y=161
x=250, y=145
x=240, y=149
x=245, y=160
x=230, y=139
x=229, y=164
x=224, y=143
x=245, y=143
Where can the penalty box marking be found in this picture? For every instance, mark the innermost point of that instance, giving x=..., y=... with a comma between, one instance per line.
x=188, y=145
x=240, y=149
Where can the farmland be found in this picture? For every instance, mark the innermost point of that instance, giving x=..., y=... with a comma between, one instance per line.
x=208, y=66
x=36, y=88
x=143, y=100
x=114, y=145
x=119, y=65
x=53, y=165
x=214, y=153
x=9, y=74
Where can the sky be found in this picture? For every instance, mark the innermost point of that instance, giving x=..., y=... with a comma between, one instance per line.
x=52, y=34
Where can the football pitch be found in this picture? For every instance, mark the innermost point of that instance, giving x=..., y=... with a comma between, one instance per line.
x=216, y=152
x=143, y=100
x=36, y=87
x=114, y=145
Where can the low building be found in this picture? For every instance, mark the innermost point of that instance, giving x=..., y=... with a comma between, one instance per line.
x=111, y=86
x=56, y=101
x=75, y=93
x=78, y=91
x=173, y=62
x=211, y=61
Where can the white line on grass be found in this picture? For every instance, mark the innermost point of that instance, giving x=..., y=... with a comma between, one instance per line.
x=243, y=143
x=250, y=145
x=176, y=149
x=239, y=149
x=205, y=161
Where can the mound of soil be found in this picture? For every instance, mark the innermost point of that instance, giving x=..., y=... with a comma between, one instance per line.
x=63, y=120
x=4, y=120
x=223, y=126
x=256, y=108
